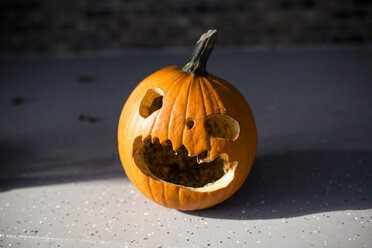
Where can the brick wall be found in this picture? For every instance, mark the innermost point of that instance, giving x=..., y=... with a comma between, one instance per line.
x=91, y=25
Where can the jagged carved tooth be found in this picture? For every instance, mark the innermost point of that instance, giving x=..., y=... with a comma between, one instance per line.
x=224, y=156
x=148, y=141
x=199, y=160
x=166, y=143
x=202, y=157
x=207, y=158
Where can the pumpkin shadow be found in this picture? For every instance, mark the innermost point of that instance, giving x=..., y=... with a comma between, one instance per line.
x=299, y=183
x=20, y=167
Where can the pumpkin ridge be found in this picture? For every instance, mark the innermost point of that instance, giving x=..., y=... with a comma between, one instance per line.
x=230, y=92
x=209, y=107
x=177, y=124
x=150, y=188
x=165, y=198
x=178, y=196
x=210, y=101
x=172, y=111
x=196, y=140
x=200, y=206
x=200, y=81
x=219, y=81
x=201, y=93
x=187, y=103
x=221, y=105
x=153, y=124
x=229, y=96
x=158, y=111
x=164, y=116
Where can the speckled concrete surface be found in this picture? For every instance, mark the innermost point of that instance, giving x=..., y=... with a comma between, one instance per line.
x=62, y=185
x=113, y=214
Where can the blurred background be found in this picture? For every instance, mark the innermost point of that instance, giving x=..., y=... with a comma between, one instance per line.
x=37, y=26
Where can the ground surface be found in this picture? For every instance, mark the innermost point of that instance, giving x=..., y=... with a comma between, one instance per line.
x=62, y=185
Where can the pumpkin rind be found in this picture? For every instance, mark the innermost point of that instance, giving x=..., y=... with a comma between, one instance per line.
x=187, y=96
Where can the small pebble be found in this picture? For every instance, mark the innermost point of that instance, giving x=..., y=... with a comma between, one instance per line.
x=85, y=79
x=16, y=100
x=88, y=118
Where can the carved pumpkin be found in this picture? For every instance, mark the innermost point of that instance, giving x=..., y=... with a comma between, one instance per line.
x=187, y=139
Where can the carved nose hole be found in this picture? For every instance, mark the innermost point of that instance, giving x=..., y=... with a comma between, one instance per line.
x=189, y=123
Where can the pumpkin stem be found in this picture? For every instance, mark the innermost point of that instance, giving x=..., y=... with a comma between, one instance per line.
x=199, y=58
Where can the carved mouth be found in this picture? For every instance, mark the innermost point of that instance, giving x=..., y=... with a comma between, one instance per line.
x=160, y=161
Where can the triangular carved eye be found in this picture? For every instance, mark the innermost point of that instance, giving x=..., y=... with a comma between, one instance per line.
x=222, y=126
x=152, y=101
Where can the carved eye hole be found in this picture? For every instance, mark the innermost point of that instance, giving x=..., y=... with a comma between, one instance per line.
x=152, y=101
x=222, y=126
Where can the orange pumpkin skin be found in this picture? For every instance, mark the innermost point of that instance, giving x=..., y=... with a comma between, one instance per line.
x=187, y=95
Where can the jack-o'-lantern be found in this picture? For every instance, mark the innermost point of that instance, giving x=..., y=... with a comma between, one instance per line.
x=187, y=139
